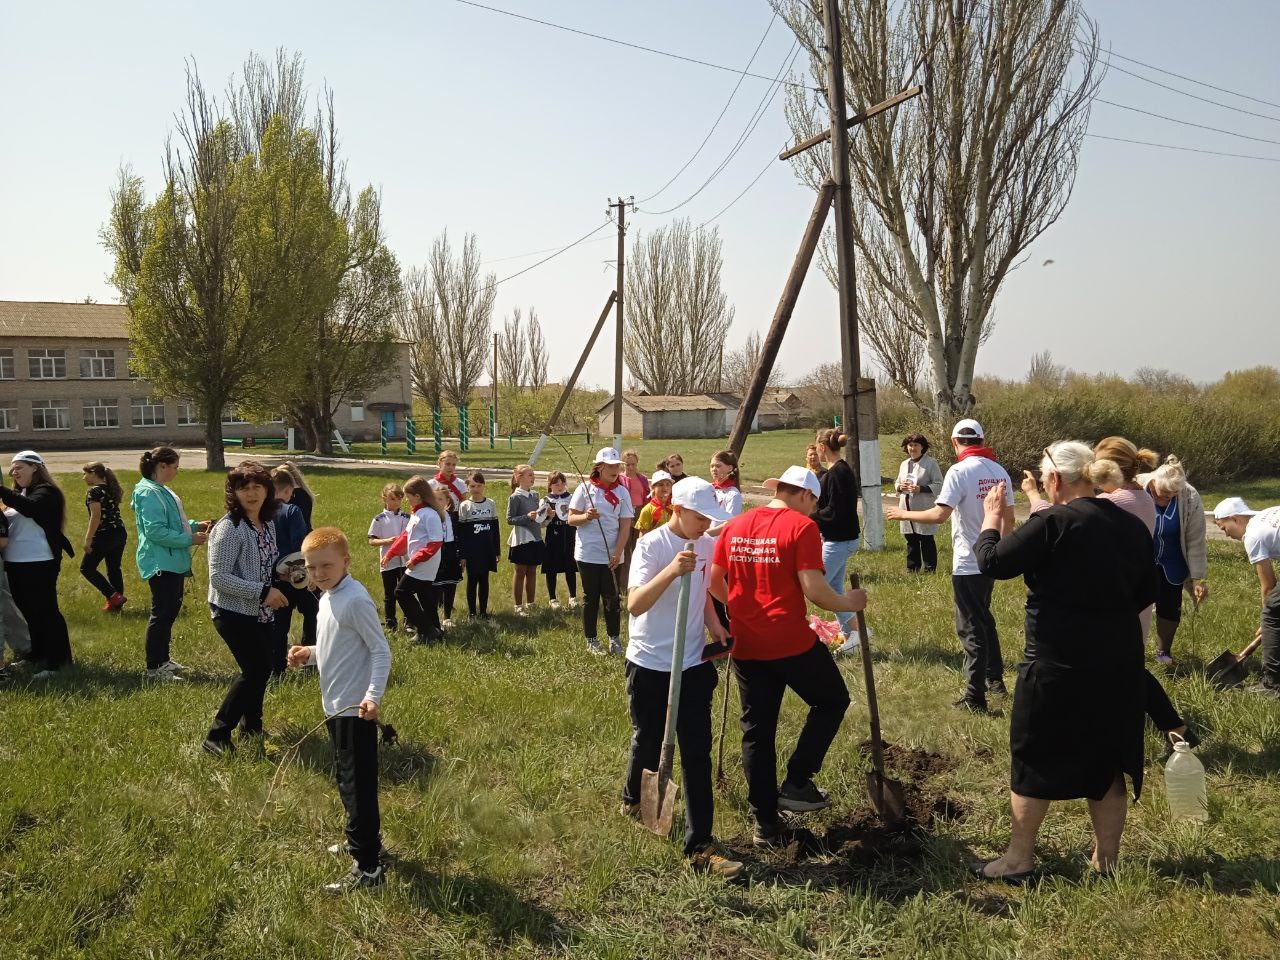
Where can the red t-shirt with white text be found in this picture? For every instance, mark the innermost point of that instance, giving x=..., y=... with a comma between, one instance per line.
x=763, y=551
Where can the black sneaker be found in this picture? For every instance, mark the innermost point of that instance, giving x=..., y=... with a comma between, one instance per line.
x=356, y=879
x=218, y=748
x=996, y=688
x=973, y=706
x=778, y=837
x=802, y=799
x=391, y=626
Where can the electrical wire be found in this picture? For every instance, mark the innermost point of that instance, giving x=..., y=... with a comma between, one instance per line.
x=1200, y=83
x=1185, y=123
x=1187, y=93
x=621, y=43
x=1171, y=146
x=534, y=253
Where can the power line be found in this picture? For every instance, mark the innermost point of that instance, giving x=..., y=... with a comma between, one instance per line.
x=623, y=43
x=1187, y=93
x=725, y=110
x=1185, y=123
x=1170, y=146
x=1201, y=83
x=728, y=206
x=534, y=253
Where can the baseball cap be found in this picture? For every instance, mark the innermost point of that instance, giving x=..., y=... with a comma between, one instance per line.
x=607, y=455
x=694, y=493
x=659, y=476
x=1232, y=507
x=968, y=428
x=28, y=456
x=797, y=477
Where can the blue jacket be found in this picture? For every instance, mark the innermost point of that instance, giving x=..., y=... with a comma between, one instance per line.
x=291, y=529
x=164, y=542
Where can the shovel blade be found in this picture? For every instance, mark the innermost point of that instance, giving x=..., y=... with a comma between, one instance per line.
x=887, y=798
x=657, y=802
x=1226, y=670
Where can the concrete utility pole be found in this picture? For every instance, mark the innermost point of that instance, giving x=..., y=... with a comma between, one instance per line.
x=494, y=385
x=621, y=206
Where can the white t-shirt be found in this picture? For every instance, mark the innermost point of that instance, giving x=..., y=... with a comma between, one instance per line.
x=424, y=528
x=588, y=547
x=730, y=498
x=963, y=489
x=651, y=637
x=388, y=525
x=27, y=542
x=1262, y=536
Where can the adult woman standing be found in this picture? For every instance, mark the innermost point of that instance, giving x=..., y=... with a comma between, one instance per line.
x=33, y=558
x=837, y=519
x=165, y=539
x=242, y=561
x=1076, y=725
x=813, y=461
x=919, y=480
x=1180, y=548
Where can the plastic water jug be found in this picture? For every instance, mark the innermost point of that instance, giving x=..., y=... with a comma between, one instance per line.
x=1184, y=784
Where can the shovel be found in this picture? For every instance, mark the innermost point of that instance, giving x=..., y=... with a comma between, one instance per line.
x=1229, y=669
x=657, y=792
x=887, y=796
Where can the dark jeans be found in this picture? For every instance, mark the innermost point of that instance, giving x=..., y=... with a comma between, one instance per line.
x=570, y=583
x=166, y=601
x=922, y=549
x=390, y=580
x=1159, y=707
x=478, y=592
x=249, y=641
x=444, y=598
x=355, y=768
x=816, y=680
x=34, y=587
x=307, y=604
x=418, y=601
x=976, y=628
x=599, y=588
x=1270, y=623
x=109, y=547
x=647, y=693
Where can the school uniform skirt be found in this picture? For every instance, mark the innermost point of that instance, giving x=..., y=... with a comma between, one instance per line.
x=559, y=551
x=450, y=570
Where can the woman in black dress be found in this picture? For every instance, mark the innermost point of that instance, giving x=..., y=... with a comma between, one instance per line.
x=1077, y=722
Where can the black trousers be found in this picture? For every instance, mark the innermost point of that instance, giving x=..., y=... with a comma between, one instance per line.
x=1270, y=623
x=307, y=604
x=417, y=599
x=922, y=550
x=816, y=680
x=355, y=769
x=445, y=594
x=249, y=641
x=599, y=588
x=34, y=587
x=477, y=591
x=166, y=602
x=647, y=694
x=570, y=583
x=107, y=547
x=390, y=580
x=976, y=628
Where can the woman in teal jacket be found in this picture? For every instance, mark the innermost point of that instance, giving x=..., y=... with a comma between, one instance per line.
x=165, y=539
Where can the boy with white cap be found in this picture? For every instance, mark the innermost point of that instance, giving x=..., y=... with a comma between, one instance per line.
x=1260, y=533
x=767, y=563
x=660, y=558
x=600, y=510
x=964, y=488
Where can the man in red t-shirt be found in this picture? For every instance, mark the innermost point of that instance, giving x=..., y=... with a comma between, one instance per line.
x=766, y=564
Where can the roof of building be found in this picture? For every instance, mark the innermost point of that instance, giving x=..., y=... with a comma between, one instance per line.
x=659, y=403
x=25, y=318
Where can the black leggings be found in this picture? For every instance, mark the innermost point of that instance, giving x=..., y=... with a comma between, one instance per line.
x=249, y=640
x=417, y=599
x=599, y=588
x=166, y=602
x=35, y=592
x=477, y=591
x=107, y=546
x=570, y=582
x=390, y=580
x=444, y=598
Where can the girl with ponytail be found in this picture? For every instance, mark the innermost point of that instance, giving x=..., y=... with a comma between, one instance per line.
x=106, y=536
x=837, y=520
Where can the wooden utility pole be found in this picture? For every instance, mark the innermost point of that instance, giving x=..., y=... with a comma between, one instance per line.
x=621, y=206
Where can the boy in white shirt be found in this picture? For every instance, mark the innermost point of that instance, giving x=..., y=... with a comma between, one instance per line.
x=354, y=660
x=964, y=488
x=660, y=559
x=1260, y=533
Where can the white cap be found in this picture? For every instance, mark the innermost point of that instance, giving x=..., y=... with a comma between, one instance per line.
x=659, y=476
x=967, y=429
x=28, y=456
x=607, y=455
x=797, y=477
x=1232, y=507
x=694, y=493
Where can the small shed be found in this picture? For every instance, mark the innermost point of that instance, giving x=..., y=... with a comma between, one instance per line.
x=659, y=417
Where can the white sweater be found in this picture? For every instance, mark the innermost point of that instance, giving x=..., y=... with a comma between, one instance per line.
x=351, y=650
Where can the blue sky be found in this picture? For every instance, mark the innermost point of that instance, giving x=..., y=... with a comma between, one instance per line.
x=519, y=134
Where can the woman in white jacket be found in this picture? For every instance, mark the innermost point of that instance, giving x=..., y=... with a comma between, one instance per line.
x=919, y=480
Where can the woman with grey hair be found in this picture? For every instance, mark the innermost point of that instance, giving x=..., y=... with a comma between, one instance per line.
x=1180, y=548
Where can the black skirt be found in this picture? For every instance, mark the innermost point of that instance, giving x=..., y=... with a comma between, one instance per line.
x=526, y=554
x=450, y=569
x=560, y=543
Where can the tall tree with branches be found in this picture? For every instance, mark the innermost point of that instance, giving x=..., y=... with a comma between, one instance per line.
x=419, y=325
x=950, y=189
x=513, y=351
x=740, y=365
x=537, y=352
x=677, y=314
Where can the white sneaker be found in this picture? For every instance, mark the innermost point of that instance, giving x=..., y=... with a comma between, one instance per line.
x=573, y=603
x=44, y=675
x=162, y=675
x=447, y=622
x=593, y=647
x=521, y=610
x=849, y=647
x=172, y=666
x=554, y=604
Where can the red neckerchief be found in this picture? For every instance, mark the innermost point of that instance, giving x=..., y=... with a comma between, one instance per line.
x=454, y=485
x=985, y=452
x=610, y=497
x=724, y=484
x=660, y=511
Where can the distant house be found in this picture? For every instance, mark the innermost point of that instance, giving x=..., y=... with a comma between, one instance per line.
x=65, y=382
x=658, y=417
x=783, y=408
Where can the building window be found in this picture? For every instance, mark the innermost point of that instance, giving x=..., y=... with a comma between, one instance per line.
x=8, y=418
x=101, y=414
x=97, y=364
x=47, y=365
x=148, y=412
x=6, y=364
x=50, y=415
x=357, y=411
x=231, y=416
x=188, y=415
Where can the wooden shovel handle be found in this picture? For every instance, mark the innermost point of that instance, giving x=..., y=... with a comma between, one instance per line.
x=869, y=678
x=1244, y=654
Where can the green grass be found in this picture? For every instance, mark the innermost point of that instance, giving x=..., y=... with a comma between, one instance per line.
x=118, y=839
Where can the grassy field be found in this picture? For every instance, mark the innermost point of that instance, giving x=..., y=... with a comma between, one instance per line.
x=119, y=839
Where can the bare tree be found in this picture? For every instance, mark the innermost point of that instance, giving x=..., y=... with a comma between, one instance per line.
x=678, y=317
x=537, y=352
x=740, y=365
x=1043, y=372
x=950, y=189
x=419, y=325
x=513, y=356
